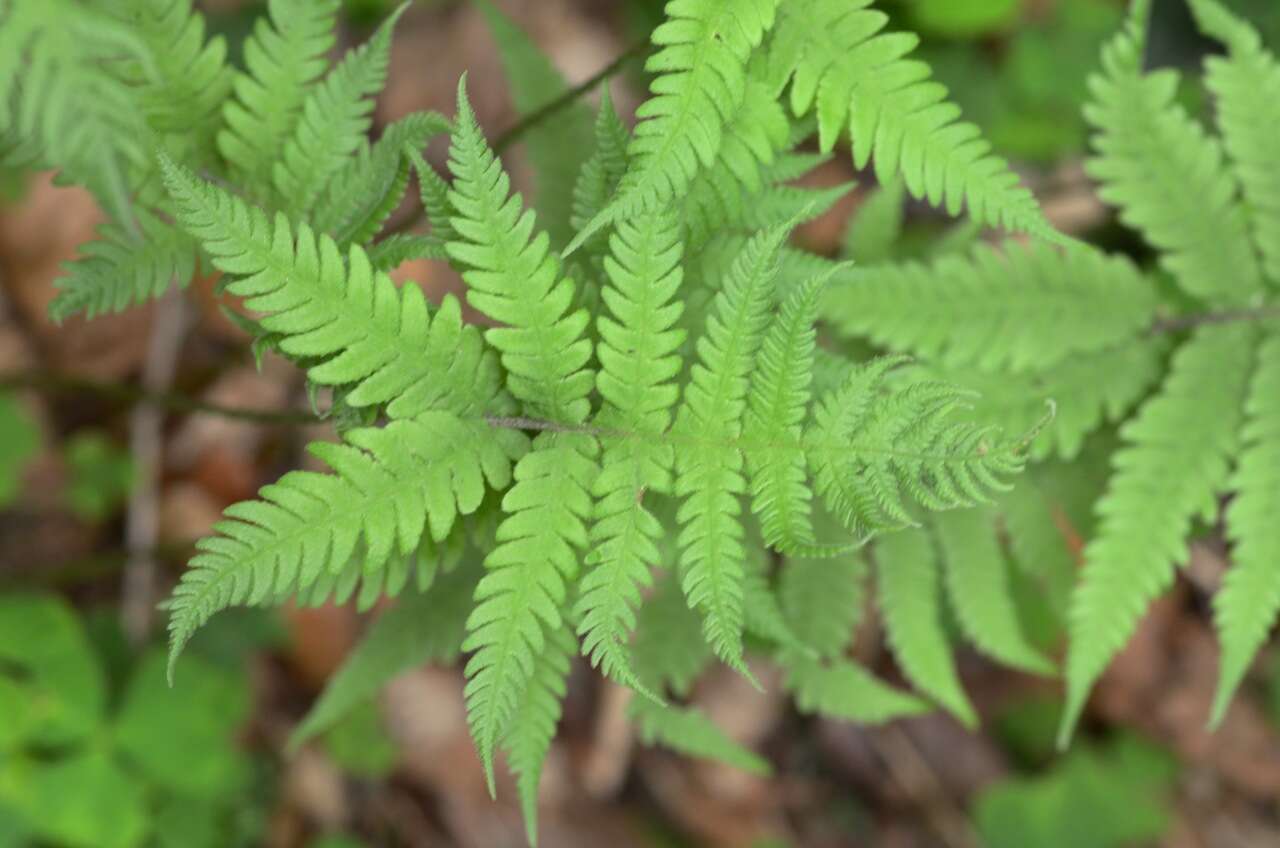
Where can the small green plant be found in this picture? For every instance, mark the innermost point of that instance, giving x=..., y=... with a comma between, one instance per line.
x=81, y=768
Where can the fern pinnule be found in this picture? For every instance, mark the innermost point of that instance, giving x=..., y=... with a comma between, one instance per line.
x=700, y=82
x=514, y=279
x=835, y=57
x=668, y=650
x=283, y=57
x=1175, y=461
x=822, y=600
x=1245, y=607
x=978, y=583
x=1019, y=309
x=690, y=732
x=365, y=332
x=639, y=361
x=709, y=479
x=599, y=177
x=1246, y=84
x=1165, y=174
x=391, y=485
x=909, y=594
x=846, y=691
x=526, y=583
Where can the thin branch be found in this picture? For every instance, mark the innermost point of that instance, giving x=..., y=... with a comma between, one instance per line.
x=537, y=116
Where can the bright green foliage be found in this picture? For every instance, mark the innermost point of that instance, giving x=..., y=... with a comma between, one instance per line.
x=600, y=174
x=709, y=477
x=362, y=330
x=823, y=600
x=700, y=84
x=19, y=442
x=910, y=596
x=533, y=724
x=334, y=120
x=1245, y=608
x=555, y=147
x=668, y=648
x=837, y=60
x=117, y=272
x=638, y=359
x=846, y=690
x=690, y=732
x=1166, y=175
x=1025, y=310
x=1176, y=460
x=283, y=57
x=516, y=280
x=100, y=475
x=1247, y=87
x=977, y=578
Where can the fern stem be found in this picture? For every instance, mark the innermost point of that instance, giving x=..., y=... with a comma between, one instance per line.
x=1190, y=322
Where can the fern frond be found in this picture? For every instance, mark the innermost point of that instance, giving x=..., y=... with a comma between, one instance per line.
x=600, y=175
x=836, y=58
x=422, y=626
x=366, y=190
x=709, y=477
x=690, y=732
x=1245, y=608
x=823, y=600
x=366, y=333
x=871, y=450
x=638, y=357
x=777, y=404
x=909, y=594
x=399, y=248
x=978, y=583
x=1088, y=390
x=554, y=147
x=333, y=123
x=1247, y=87
x=874, y=230
x=188, y=81
x=121, y=269
x=1176, y=459
x=845, y=690
x=699, y=85
x=514, y=279
x=533, y=725
x=283, y=57
x=392, y=485
x=1020, y=309
x=1166, y=175
x=527, y=576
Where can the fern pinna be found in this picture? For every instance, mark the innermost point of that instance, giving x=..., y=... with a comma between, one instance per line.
x=644, y=455
x=1097, y=335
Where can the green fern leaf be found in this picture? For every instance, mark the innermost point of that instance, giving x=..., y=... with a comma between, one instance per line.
x=399, y=248
x=333, y=123
x=1245, y=608
x=519, y=600
x=978, y=583
x=119, y=270
x=778, y=401
x=514, y=279
x=1023, y=309
x=691, y=733
x=600, y=175
x=638, y=362
x=823, y=601
x=1166, y=176
x=699, y=85
x=847, y=691
x=835, y=57
x=368, y=188
x=909, y=594
x=392, y=485
x=367, y=334
x=1247, y=86
x=1176, y=460
x=873, y=232
x=1088, y=390
x=533, y=725
x=283, y=58
x=668, y=650
x=554, y=147
x=709, y=471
